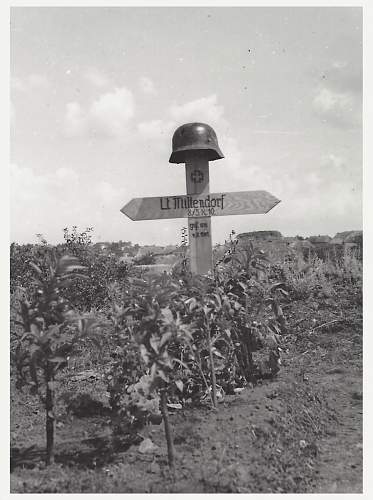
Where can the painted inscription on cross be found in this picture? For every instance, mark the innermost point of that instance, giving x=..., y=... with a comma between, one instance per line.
x=195, y=144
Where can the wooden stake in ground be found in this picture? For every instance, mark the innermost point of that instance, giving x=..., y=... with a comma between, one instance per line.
x=167, y=430
x=49, y=408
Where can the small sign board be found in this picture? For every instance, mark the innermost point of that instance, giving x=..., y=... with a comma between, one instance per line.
x=200, y=205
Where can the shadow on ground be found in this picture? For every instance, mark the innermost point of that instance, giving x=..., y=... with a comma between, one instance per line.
x=87, y=453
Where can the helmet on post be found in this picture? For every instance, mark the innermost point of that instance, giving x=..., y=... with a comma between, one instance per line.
x=193, y=137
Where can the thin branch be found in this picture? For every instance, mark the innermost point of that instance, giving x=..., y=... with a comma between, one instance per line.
x=327, y=324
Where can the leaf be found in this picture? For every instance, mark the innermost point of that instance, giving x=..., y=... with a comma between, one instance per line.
x=163, y=376
x=167, y=315
x=174, y=406
x=144, y=353
x=277, y=309
x=181, y=363
x=217, y=353
x=52, y=385
x=16, y=322
x=154, y=342
x=218, y=299
x=57, y=359
x=192, y=303
x=147, y=446
x=36, y=268
x=86, y=325
x=179, y=385
x=25, y=335
x=274, y=328
x=206, y=310
x=53, y=329
x=35, y=330
x=165, y=338
x=276, y=285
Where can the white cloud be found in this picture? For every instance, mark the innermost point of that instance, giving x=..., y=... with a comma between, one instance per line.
x=338, y=171
x=112, y=111
x=29, y=83
x=156, y=129
x=40, y=202
x=147, y=85
x=45, y=203
x=339, y=64
x=17, y=84
x=205, y=109
x=338, y=101
x=96, y=78
x=75, y=119
x=341, y=109
x=24, y=184
x=39, y=81
x=327, y=100
x=106, y=192
x=345, y=76
x=107, y=116
x=66, y=175
x=333, y=161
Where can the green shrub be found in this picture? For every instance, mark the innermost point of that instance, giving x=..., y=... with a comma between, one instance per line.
x=101, y=269
x=306, y=279
x=51, y=332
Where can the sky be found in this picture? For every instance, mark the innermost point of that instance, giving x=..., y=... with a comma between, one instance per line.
x=97, y=93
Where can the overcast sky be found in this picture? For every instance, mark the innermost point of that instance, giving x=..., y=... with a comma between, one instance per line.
x=96, y=94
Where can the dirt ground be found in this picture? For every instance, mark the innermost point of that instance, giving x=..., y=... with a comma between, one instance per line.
x=299, y=433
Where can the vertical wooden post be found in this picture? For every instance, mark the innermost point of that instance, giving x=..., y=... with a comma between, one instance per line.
x=49, y=408
x=199, y=228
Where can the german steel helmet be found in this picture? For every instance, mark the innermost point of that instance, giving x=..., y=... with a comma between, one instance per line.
x=194, y=137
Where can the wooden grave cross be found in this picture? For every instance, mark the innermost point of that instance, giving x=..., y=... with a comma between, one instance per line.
x=198, y=205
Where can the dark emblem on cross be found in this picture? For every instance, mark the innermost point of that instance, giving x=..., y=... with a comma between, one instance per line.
x=197, y=176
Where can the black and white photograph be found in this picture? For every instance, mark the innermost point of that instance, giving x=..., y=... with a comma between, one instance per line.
x=185, y=249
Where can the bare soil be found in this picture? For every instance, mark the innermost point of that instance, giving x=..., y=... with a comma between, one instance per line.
x=299, y=433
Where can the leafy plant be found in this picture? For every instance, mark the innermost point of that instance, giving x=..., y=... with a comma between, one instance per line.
x=51, y=333
x=306, y=279
x=253, y=299
x=157, y=329
x=103, y=271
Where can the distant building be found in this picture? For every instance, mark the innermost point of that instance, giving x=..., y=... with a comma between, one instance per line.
x=348, y=240
x=304, y=247
x=261, y=235
x=320, y=240
x=350, y=237
x=155, y=269
x=290, y=239
x=101, y=246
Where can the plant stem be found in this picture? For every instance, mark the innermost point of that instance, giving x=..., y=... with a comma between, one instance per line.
x=167, y=430
x=212, y=368
x=49, y=426
x=204, y=379
x=327, y=324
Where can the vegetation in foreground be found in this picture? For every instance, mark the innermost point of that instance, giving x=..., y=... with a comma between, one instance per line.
x=148, y=346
